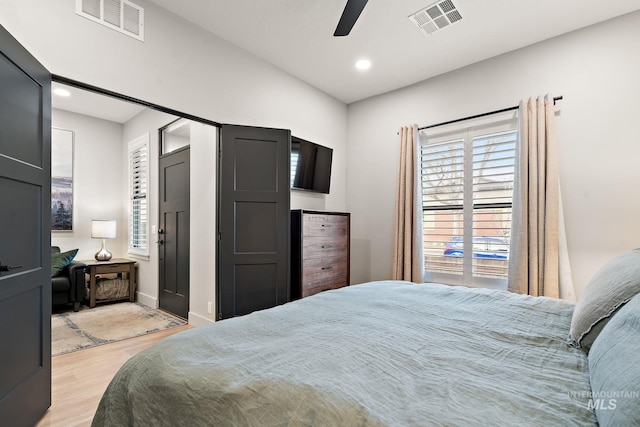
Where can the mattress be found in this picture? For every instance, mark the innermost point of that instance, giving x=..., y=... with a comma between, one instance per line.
x=376, y=354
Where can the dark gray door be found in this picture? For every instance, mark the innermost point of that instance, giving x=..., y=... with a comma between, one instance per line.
x=173, y=237
x=253, y=219
x=25, y=235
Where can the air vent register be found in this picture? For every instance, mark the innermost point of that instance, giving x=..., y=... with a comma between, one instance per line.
x=436, y=17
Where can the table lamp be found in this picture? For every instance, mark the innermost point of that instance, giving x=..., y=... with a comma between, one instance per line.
x=103, y=229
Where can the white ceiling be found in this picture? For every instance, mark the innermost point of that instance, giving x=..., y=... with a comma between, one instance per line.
x=297, y=36
x=94, y=105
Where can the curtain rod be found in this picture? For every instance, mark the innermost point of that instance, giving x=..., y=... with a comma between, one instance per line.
x=557, y=98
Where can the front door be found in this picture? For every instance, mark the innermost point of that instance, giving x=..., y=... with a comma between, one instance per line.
x=25, y=236
x=253, y=219
x=173, y=232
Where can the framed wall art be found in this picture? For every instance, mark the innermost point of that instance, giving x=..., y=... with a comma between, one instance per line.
x=61, y=180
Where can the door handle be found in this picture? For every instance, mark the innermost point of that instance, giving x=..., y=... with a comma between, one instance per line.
x=160, y=242
x=8, y=267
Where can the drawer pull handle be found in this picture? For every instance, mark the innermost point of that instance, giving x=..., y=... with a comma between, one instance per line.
x=327, y=225
x=327, y=268
x=326, y=246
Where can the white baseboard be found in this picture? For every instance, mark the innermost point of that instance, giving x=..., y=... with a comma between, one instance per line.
x=198, y=320
x=194, y=318
x=147, y=300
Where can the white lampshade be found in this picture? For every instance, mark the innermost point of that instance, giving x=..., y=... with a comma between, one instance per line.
x=103, y=228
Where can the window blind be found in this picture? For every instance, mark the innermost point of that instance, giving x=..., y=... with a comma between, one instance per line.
x=467, y=192
x=493, y=172
x=138, y=209
x=443, y=181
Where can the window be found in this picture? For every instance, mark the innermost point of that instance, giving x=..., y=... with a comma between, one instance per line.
x=175, y=135
x=138, y=201
x=467, y=194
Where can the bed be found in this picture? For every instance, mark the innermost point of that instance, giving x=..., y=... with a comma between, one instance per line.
x=377, y=354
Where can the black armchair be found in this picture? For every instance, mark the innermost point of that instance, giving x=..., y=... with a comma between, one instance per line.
x=68, y=286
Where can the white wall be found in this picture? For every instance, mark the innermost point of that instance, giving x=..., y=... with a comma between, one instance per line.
x=202, y=216
x=596, y=69
x=97, y=183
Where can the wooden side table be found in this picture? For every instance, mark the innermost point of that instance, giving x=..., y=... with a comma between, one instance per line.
x=115, y=265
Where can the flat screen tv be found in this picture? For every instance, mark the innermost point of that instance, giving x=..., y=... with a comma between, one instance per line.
x=310, y=166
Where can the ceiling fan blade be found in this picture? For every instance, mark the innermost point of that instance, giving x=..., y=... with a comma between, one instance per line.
x=352, y=11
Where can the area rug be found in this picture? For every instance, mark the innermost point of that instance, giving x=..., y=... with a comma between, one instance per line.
x=71, y=331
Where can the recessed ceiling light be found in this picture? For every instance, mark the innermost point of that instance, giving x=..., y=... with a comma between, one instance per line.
x=61, y=92
x=363, y=64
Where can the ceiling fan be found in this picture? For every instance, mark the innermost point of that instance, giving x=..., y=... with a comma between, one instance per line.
x=350, y=15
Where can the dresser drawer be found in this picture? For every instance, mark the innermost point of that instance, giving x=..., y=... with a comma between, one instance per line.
x=325, y=247
x=318, y=225
x=318, y=286
x=323, y=268
x=112, y=268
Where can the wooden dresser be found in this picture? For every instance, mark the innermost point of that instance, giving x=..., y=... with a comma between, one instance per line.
x=319, y=251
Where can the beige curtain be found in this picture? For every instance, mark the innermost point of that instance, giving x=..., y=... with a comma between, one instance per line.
x=407, y=247
x=537, y=223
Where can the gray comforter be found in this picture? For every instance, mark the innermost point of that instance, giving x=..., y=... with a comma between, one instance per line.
x=381, y=353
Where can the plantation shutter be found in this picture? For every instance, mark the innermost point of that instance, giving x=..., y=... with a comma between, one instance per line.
x=443, y=181
x=138, y=209
x=467, y=193
x=493, y=171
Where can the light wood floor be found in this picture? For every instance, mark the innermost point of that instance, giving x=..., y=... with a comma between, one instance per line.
x=79, y=379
